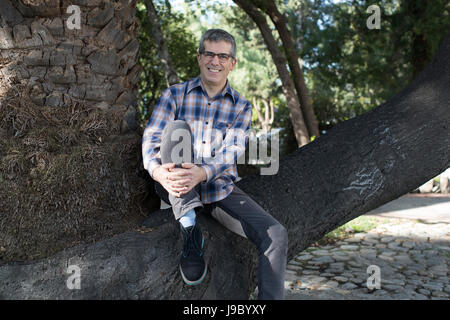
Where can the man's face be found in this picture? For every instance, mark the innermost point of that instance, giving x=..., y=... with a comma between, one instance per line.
x=213, y=71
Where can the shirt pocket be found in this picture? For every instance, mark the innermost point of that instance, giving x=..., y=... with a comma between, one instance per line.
x=220, y=127
x=218, y=133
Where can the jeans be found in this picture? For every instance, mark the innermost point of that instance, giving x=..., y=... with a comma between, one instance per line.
x=240, y=214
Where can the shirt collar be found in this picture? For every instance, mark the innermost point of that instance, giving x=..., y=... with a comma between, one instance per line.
x=196, y=82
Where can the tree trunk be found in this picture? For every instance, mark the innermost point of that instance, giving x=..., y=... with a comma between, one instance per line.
x=280, y=23
x=265, y=120
x=295, y=109
x=356, y=167
x=70, y=157
x=163, y=52
x=96, y=63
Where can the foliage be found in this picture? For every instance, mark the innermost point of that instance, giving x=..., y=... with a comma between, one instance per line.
x=255, y=75
x=59, y=169
x=181, y=45
x=350, y=68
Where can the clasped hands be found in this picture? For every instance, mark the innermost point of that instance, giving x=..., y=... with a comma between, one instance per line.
x=179, y=181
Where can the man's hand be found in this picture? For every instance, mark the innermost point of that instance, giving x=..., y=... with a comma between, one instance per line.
x=193, y=174
x=161, y=174
x=179, y=181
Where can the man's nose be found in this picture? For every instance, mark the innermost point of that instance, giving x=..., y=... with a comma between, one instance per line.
x=215, y=60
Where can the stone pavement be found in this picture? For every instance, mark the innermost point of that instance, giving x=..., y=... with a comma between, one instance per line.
x=402, y=259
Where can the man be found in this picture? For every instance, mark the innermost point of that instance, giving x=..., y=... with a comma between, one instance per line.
x=214, y=120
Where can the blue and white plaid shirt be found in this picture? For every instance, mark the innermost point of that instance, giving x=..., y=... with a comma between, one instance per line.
x=219, y=126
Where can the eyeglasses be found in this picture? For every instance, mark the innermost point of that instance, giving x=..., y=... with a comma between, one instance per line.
x=223, y=57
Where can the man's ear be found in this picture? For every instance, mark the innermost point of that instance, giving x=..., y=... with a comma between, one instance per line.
x=233, y=63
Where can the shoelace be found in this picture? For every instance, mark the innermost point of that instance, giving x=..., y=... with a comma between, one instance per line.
x=189, y=243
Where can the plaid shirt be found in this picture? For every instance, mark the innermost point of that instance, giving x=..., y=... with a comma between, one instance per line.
x=219, y=127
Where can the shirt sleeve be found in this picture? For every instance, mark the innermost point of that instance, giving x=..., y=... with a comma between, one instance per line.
x=163, y=113
x=233, y=145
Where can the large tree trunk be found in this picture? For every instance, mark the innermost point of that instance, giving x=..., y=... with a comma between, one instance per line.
x=295, y=109
x=356, y=167
x=69, y=157
x=280, y=23
x=96, y=63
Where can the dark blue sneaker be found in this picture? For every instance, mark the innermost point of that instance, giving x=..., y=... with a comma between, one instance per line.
x=192, y=265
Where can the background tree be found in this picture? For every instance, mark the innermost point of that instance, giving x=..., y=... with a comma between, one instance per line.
x=423, y=24
x=280, y=22
x=295, y=111
x=255, y=75
x=351, y=69
x=266, y=115
x=182, y=48
x=163, y=52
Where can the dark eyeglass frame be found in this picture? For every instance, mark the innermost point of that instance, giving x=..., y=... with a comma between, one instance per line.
x=223, y=57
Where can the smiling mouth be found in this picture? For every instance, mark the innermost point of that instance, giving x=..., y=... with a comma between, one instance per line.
x=213, y=70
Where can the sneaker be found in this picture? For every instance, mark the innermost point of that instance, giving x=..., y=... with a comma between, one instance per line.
x=192, y=265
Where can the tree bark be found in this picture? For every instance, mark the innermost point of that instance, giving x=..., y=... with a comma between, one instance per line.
x=96, y=63
x=357, y=166
x=163, y=52
x=69, y=157
x=295, y=109
x=265, y=120
x=280, y=23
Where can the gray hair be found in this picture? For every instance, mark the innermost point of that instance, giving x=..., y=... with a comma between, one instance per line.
x=218, y=35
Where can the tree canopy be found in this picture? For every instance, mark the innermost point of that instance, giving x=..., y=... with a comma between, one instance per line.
x=349, y=68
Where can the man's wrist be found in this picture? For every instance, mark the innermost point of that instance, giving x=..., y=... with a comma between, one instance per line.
x=204, y=176
x=155, y=175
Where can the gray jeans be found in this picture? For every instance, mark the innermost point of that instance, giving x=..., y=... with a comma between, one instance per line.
x=238, y=212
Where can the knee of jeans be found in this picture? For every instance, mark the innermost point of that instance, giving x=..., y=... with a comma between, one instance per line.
x=281, y=236
x=176, y=124
x=275, y=237
x=179, y=124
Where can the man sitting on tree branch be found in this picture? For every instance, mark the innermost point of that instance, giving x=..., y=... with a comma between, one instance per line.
x=213, y=121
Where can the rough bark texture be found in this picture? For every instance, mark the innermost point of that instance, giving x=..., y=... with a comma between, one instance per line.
x=295, y=111
x=136, y=265
x=70, y=157
x=96, y=63
x=359, y=165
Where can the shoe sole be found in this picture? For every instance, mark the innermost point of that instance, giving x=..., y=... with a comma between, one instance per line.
x=196, y=282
